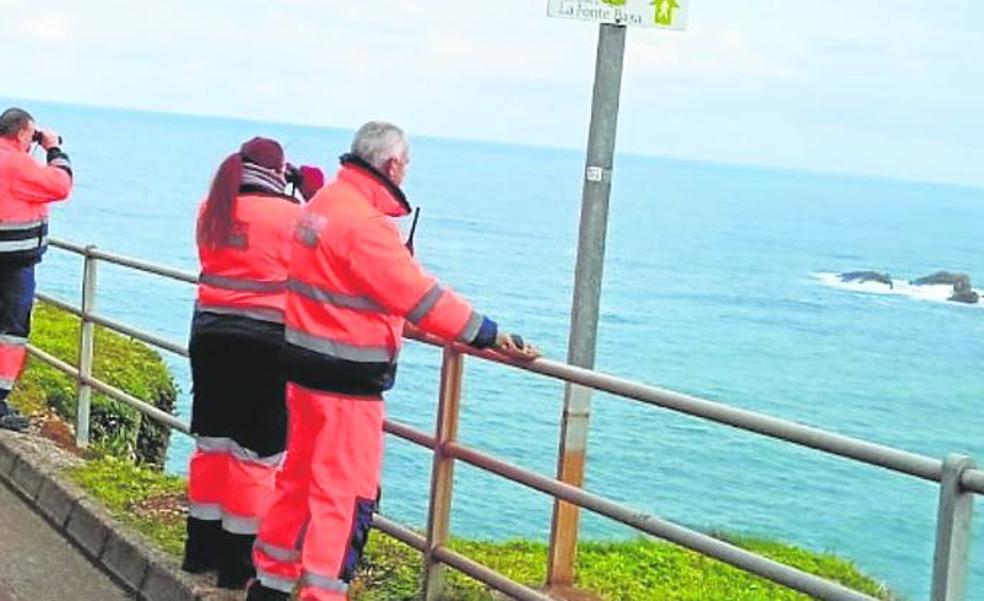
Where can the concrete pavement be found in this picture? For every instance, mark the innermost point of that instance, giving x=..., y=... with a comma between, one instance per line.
x=39, y=564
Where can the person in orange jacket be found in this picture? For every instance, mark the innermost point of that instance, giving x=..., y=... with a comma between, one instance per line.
x=238, y=415
x=26, y=189
x=352, y=286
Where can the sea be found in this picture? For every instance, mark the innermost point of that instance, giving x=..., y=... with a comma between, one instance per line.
x=720, y=281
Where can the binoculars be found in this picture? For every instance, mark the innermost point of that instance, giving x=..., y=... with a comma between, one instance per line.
x=293, y=175
x=38, y=137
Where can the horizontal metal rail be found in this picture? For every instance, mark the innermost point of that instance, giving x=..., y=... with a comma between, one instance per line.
x=161, y=270
x=433, y=546
x=890, y=458
x=973, y=480
x=409, y=434
x=487, y=576
x=112, y=324
x=114, y=393
x=461, y=563
x=66, y=245
x=691, y=539
x=60, y=304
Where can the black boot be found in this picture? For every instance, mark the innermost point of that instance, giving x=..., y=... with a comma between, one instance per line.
x=203, y=546
x=10, y=419
x=258, y=592
x=236, y=566
x=14, y=421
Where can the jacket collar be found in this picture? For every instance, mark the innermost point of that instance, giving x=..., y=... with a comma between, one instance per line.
x=10, y=145
x=382, y=193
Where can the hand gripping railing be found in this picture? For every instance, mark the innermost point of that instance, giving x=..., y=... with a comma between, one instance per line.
x=958, y=476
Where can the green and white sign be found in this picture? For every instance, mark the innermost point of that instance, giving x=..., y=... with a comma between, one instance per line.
x=664, y=14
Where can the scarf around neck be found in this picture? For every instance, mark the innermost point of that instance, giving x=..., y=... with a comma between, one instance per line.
x=262, y=178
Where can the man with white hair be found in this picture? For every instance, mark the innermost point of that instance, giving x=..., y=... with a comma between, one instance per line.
x=352, y=286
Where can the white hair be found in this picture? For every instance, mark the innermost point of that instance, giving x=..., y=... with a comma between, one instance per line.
x=378, y=141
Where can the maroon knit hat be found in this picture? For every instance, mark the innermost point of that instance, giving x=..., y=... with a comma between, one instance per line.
x=263, y=152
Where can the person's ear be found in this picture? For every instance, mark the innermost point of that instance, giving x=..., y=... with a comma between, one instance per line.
x=390, y=168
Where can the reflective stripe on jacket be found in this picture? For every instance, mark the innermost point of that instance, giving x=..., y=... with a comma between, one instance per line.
x=247, y=277
x=26, y=188
x=353, y=283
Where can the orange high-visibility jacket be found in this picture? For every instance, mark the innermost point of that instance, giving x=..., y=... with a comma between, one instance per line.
x=26, y=188
x=247, y=277
x=352, y=285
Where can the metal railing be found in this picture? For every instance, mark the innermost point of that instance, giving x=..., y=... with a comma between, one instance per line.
x=958, y=477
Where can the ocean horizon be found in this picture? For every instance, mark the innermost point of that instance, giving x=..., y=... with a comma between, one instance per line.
x=720, y=281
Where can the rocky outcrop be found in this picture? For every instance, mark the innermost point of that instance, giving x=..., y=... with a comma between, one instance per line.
x=940, y=278
x=867, y=276
x=963, y=291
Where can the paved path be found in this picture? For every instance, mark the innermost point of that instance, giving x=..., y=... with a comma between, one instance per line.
x=38, y=564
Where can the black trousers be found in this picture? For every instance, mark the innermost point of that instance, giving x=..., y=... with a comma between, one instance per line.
x=239, y=388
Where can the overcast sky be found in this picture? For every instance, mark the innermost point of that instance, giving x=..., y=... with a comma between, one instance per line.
x=884, y=87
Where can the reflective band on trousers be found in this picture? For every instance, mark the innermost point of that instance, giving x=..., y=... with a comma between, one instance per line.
x=242, y=285
x=428, y=302
x=237, y=524
x=324, y=583
x=6, y=384
x=277, y=583
x=257, y=313
x=346, y=301
x=205, y=511
x=8, y=340
x=213, y=512
x=29, y=244
x=212, y=444
x=278, y=553
x=340, y=350
x=13, y=226
x=471, y=329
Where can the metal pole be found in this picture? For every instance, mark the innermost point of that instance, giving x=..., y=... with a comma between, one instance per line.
x=587, y=293
x=953, y=532
x=86, y=343
x=442, y=473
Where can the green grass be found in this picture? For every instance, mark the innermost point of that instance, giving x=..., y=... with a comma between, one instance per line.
x=637, y=570
x=142, y=498
x=129, y=365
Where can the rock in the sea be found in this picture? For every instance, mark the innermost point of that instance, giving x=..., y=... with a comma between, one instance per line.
x=963, y=292
x=970, y=297
x=941, y=277
x=867, y=276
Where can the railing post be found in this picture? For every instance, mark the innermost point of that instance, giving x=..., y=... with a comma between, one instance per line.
x=953, y=531
x=442, y=472
x=86, y=343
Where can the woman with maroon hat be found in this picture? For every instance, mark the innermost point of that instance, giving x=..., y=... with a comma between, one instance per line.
x=238, y=414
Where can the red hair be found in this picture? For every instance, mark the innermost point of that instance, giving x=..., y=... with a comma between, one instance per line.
x=215, y=223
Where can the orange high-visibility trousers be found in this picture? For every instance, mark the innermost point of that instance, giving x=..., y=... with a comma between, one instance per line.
x=325, y=497
x=13, y=352
x=230, y=484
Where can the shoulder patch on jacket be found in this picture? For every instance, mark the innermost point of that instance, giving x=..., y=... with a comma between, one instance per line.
x=309, y=228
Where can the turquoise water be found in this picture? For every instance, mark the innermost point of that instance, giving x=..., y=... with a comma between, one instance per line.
x=711, y=288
